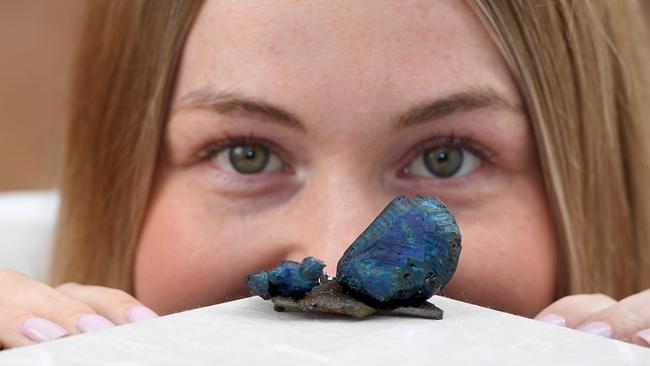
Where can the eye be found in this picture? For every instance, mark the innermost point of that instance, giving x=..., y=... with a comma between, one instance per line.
x=247, y=159
x=444, y=162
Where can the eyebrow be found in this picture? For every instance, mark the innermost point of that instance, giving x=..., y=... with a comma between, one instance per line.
x=458, y=102
x=224, y=102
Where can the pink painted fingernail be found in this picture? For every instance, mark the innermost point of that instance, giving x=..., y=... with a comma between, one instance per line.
x=642, y=336
x=598, y=328
x=41, y=329
x=91, y=322
x=552, y=319
x=139, y=313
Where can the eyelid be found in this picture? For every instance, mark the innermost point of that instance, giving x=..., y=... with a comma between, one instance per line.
x=463, y=142
x=212, y=149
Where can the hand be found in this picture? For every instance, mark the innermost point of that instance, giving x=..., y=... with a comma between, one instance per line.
x=627, y=320
x=32, y=312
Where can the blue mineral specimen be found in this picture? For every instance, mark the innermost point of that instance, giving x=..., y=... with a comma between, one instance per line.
x=407, y=254
x=289, y=278
x=259, y=284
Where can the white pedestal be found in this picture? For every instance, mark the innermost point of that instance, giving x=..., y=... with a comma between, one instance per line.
x=249, y=332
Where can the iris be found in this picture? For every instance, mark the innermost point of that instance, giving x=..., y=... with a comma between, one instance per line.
x=443, y=161
x=248, y=159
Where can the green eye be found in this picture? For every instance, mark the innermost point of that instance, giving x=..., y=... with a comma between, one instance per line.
x=245, y=158
x=443, y=161
x=248, y=159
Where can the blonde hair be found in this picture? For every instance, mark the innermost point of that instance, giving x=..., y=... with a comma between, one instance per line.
x=578, y=66
x=124, y=75
x=580, y=70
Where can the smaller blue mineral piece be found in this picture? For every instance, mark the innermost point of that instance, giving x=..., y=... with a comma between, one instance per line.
x=406, y=255
x=311, y=269
x=289, y=278
x=259, y=284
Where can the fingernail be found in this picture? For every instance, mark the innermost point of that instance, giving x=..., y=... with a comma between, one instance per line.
x=41, y=329
x=552, y=319
x=139, y=313
x=598, y=328
x=641, y=337
x=91, y=322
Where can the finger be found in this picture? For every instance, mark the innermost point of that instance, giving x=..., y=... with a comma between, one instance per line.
x=571, y=311
x=43, y=301
x=117, y=305
x=642, y=338
x=19, y=327
x=621, y=320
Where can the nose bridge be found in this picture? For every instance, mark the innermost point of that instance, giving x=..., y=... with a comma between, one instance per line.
x=337, y=209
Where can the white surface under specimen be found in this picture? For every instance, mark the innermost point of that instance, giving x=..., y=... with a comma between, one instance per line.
x=250, y=332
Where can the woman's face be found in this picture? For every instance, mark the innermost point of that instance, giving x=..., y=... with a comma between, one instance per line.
x=293, y=124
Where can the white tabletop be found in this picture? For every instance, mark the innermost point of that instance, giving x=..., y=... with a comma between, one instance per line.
x=248, y=332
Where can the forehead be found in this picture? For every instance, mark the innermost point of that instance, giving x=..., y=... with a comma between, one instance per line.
x=324, y=55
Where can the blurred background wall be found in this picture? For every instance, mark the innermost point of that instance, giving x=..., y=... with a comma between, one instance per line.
x=37, y=39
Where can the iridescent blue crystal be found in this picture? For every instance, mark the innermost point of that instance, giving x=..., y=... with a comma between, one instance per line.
x=289, y=278
x=407, y=254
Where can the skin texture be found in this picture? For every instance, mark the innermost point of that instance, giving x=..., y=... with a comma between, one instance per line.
x=344, y=69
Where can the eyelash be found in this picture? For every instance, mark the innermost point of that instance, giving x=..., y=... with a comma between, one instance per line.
x=463, y=142
x=232, y=140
